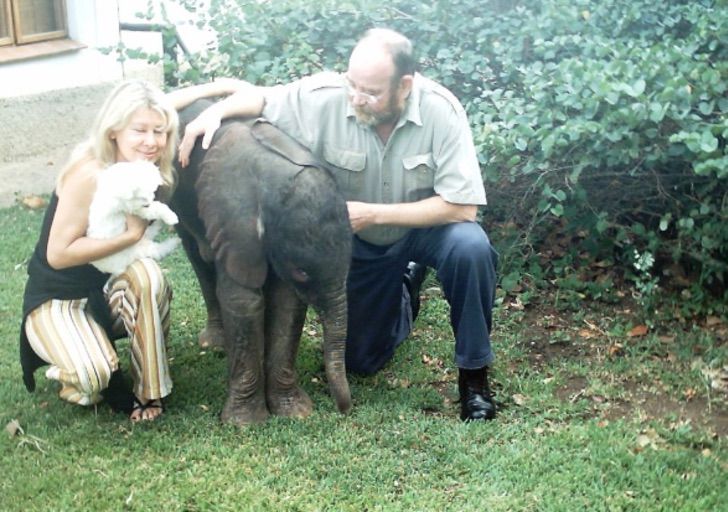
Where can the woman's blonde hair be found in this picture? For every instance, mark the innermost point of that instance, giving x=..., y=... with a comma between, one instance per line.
x=115, y=115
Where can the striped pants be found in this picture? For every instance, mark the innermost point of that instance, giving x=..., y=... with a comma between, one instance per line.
x=81, y=357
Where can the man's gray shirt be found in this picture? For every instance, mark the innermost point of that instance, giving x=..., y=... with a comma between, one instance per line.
x=430, y=152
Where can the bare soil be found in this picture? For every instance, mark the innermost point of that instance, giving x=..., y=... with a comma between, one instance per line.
x=639, y=396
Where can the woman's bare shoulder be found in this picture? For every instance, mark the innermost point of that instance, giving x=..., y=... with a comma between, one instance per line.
x=80, y=180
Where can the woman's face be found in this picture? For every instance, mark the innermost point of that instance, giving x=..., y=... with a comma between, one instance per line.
x=144, y=138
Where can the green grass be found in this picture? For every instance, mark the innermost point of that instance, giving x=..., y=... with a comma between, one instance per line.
x=579, y=428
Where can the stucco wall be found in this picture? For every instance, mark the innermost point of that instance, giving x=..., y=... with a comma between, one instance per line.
x=48, y=121
x=38, y=133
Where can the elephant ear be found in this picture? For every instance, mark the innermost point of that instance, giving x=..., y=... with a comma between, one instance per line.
x=229, y=205
x=282, y=144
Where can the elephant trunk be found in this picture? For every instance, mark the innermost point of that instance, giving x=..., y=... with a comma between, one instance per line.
x=334, y=319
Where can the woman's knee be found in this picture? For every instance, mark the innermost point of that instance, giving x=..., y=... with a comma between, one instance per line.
x=146, y=277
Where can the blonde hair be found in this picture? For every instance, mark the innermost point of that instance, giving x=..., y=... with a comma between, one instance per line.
x=114, y=115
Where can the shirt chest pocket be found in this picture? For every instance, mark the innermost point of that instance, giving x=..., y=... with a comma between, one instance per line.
x=419, y=174
x=348, y=168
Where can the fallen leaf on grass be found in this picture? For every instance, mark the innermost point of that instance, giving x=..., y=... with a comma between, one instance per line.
x=432, y=361
x=519, y=399
x=13, y=428
x=689, y=394
x=712, y=321
x=33, y=202
x=587, y=334
x=648, y=439
x=517, y=304
x=637, y=331
x=617, y=349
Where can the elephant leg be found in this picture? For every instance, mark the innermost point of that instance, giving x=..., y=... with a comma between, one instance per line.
x=285, y=315
x=243, y=316
x=213, y=335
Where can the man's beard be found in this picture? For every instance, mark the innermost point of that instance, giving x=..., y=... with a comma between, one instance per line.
x=368, y=118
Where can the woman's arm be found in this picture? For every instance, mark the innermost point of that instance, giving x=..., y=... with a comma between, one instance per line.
x=68, y=244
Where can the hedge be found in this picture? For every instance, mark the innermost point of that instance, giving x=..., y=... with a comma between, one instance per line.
x=600, y=123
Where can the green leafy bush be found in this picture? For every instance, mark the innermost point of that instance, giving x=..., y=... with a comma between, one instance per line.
x=604, y=120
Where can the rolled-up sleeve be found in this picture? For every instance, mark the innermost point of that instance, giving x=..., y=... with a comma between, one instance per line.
x=457, y=176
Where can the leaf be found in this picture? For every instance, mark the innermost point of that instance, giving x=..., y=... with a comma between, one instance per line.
x=637, y=331
x=637, y=88
x=587, y=334
x=34, y=202
x=510, y=281
x=13, y=428
x=615, y=349
x=712, y=321
x=519, y=399
x=557, y=210
x=643, y=441
x=708, y=143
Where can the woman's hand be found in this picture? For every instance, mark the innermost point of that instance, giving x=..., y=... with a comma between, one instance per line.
x=135, y=227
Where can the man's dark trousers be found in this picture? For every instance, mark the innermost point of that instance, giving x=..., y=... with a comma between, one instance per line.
x=380, y=316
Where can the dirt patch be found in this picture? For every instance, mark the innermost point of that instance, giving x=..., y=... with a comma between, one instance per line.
x=555, y=337
x=647, y=405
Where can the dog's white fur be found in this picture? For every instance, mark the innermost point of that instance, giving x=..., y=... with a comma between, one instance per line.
x=129, y=187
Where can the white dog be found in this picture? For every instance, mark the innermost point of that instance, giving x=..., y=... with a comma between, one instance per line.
x=129, y=187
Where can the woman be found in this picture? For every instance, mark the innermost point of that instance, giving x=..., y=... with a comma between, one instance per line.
x=72, y=311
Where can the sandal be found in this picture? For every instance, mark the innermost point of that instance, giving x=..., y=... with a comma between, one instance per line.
x=139, y=409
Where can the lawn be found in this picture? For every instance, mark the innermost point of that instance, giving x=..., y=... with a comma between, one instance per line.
x=595, y=414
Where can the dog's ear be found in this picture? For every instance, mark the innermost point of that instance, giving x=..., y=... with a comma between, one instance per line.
x=152, y=175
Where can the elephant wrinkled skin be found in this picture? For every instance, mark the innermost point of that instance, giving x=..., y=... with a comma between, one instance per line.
x=267, y=232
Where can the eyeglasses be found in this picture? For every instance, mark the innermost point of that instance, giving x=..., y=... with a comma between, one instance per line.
x=368, y=98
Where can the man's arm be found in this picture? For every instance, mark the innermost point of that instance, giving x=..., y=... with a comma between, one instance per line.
x=432, y=211
x=180, y=98
x=248, y=101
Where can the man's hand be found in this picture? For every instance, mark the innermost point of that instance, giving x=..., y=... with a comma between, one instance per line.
x=205, y=124
x=360, y=215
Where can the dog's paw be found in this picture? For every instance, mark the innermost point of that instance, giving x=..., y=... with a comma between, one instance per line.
x=170, y=218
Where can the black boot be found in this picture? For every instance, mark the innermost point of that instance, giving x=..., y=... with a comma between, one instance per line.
x=413, y=279
x=476, y=401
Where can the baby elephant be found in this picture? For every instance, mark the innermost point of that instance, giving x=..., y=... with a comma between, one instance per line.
x=267, y=232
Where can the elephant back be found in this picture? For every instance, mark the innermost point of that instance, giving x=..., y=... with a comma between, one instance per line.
x=282, y=144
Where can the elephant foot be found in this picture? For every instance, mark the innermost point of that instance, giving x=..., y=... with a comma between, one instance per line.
x=212, y=336
x=247, y=413
x=290, y=403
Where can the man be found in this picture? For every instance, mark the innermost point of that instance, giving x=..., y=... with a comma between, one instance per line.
x=401, y=149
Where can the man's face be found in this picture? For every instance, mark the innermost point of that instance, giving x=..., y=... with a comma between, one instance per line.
x=375, y=102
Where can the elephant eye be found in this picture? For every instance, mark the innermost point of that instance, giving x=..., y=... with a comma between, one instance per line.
x=300, y=275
